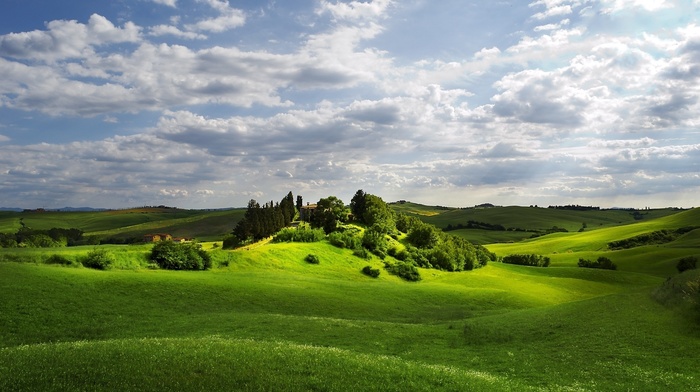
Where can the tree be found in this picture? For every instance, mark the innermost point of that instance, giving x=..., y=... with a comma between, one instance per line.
x=300, y=202
x=687, y=263
x=423, y=236
x=287, y=208
x=358, y=205
x=329, y=212
x=377, y=213
x=177, y=256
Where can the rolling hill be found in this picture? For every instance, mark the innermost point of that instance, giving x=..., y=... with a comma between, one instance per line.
x=264, y=319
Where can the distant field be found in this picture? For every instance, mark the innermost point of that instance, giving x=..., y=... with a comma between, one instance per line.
x=264, y=319
x=530, y=218
x=202, y=224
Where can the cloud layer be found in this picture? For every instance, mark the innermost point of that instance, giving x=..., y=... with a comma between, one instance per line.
x=564, y=109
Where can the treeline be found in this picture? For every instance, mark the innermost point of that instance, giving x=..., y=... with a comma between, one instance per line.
x=654, y=238
x=472, y=224
x=575, y=207
x=601, y=263
x=425, y=245
x=262, y=221
x=531, y=260
x=26, y=237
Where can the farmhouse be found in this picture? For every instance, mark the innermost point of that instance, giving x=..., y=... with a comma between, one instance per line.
x=157, y=237
x=307, y=212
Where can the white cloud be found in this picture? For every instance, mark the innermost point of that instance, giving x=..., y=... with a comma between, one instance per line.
x=560, y=10
x=553, y=26
x=648, y=5
x=66, y=39
x=169, y=3
x=569, y=113
x=229, y=18
x=161, y=30
x=355, y=10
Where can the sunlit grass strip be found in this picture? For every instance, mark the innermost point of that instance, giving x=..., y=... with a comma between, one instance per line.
x=214, y=363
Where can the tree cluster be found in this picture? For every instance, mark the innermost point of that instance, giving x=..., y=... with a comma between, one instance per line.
x=330, y=212
x=687, y=263
x=575, y=207
x=601, y=262
x=531, y=260
x=433, y=248
x=180, y=256
x=26, y=237
x=263, y=221
x=654, y=238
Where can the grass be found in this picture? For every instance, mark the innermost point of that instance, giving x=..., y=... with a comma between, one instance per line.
x=214, y=363
x=265, y=319
x=202, y=224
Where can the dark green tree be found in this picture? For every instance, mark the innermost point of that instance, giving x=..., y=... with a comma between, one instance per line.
x=358, y=206
x=378, y=214
x=329, y=212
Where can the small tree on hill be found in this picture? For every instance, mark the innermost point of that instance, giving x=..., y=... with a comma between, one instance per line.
x=687, y=263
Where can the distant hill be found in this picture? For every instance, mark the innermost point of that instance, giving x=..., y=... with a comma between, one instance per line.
x=487, y=223
x=129, y=223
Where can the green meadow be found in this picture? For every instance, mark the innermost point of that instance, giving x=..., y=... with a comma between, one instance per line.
x=264, y=319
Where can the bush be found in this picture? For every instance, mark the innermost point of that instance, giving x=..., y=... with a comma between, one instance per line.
x=687, y=263
x=58, y=259
x=312, y=259
x=369, y=271
x=362, y=253
x=180, y=256
x=529, y=260
x=231, y=242
x=346, y=239
x=98, y=259
x=300, y=234
x=404, y=271
x=602, y=263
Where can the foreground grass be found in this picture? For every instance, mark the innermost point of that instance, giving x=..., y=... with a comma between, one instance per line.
x=284, y=322
x=214, y=363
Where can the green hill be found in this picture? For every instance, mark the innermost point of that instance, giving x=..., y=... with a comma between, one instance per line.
x=523, y=222
x=265, y=319
x=136, y=222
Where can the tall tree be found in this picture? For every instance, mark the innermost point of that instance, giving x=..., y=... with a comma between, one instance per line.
x=358, y=205
x=329, y=212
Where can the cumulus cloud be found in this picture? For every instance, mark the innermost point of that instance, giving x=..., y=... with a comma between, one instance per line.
x=355, y=10
x=161, y=30
x=229, y=18
x=66, y=39
x=169, y=3
x=558, y=111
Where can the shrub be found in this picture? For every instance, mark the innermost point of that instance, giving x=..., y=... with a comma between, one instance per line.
x=98, y=259
x=369, y=271
x=180, y=256
x=58, y=259
x=687, y=263
x=602, y=263
x=346, y=239
x=362, y=253
x=231, y=242
x=529, y=260
x=404, y=271
x=312, y=259
x=300, y=234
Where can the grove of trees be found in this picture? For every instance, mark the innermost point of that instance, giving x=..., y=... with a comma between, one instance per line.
x=424, y=246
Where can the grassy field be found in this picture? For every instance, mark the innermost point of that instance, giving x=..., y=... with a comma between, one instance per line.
x=264, y=319
x=530, y=220
x=204, y=225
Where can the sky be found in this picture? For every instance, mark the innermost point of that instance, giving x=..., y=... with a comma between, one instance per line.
x=211, y=103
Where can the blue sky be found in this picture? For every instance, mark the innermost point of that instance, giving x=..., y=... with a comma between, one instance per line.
x=209, y=103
